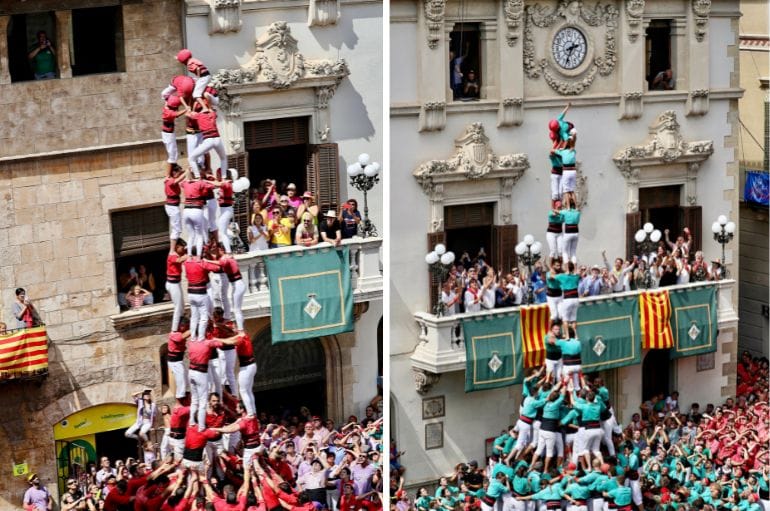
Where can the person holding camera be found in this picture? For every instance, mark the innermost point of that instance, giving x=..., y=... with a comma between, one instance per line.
x=42, y=57
x=23, y=310
x=73, y=499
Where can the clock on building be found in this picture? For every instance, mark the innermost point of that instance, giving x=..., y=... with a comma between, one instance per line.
x=569, y=47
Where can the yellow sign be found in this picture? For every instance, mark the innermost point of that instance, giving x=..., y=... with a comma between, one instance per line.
x=20, y=469
x=96, y=419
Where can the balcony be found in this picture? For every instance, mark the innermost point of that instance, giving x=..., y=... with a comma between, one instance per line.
x=365, y=270
x=442, y=347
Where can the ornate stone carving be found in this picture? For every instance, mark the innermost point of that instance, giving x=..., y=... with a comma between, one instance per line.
x=424, y=380
x=634, y=12
x=236, y=144
x=513, y=10
x=324, y=94
x=633, y=206
x=510, y=112
x=631, y=105
x=433, y=116
x=665, y=145
x=323, y=135
x=434, y=21
x=581, y=187
x=225, y=16
x=701, y=10
x=278, y=63
x=698, y=102
x=321, y=13
x=571, y=11
x=473, y=159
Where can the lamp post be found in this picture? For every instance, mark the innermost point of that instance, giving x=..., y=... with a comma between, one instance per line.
x=364, y=174
x=647, y=239
x=723, y=234
x=439, y=262
x=529, y=253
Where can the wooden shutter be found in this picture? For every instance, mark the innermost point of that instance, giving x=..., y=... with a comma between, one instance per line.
x=276, y=132
x=139, y=231
x=434, y=238
x=692, y=218
x=323, y=175
x=633, y=224
x=468, y=215
x=504, y=239
x=240, y=162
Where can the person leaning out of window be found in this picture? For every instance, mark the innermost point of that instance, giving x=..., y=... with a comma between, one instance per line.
x=25, y=313
x=42, y=57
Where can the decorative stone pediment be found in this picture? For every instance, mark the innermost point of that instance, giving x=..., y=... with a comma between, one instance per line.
x=665, y=145
x=473, y=174
x=665, y=159
x=279, y=64
x=225, y=16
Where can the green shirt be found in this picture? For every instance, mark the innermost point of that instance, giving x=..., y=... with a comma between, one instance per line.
x=44, y=62
x=568, y=281
x=571, y=216
x=621, y=495
x=552, y=408
x=569, y=346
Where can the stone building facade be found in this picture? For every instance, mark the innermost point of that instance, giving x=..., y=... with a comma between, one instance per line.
x=480, y=176
x=83, y=154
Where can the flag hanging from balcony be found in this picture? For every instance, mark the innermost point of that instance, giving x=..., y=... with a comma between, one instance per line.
x=655, y=315
x=492, y=352
x=757, y=187
x=609, y=333
x=23, y=353
x=534, y=327
x=694, y=321
x=310, y=294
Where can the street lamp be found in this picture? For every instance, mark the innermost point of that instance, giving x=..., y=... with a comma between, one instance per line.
x=723, y=234
x=647, y=239
x=364, y=174
x=440, y=262
x=529, y=252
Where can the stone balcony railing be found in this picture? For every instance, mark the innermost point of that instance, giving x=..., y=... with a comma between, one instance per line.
x=442, y=347
x=365, y=270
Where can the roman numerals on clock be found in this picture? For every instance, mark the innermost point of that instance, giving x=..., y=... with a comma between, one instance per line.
x=569, y=47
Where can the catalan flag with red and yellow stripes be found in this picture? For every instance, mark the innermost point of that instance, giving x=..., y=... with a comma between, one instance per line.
x=23, y=353
x=534, y=327
x=655, y=320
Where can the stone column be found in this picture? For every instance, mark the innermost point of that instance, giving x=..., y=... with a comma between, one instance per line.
x=680, y=53
x=698, y=61
x=511, y=64
x=489, y=60
x=433, y=64
x=5, y=73
x=632, y=53
x=63, y=26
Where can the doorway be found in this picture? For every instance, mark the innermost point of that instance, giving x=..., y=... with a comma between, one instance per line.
x=656, y=373
x=278, y=149
x=659, y=205
x=469, y=229
x=290, y=375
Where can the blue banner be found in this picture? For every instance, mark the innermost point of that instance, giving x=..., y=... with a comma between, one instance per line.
x=757, y=186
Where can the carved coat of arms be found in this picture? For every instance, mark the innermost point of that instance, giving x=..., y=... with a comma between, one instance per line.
x=278, y=59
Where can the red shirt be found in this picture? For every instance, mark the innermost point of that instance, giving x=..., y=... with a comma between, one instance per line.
x=135, y=483
x=182, y=505
x=168, y=117
x=180, y=416
x=268, y=494
x=176, y=346
x=173, y=269
x=215, y=420
x=307, y=506
x=245, y=350
x=226, y=194
x=198, y=274
x=196, y=67
x=195, y=192
x=172, y=189
x=115, y=500
x=207, y=123
x=230, y=267
x=221, y=504
x=184, y=85
x=200, y=352
x=195, y=441
x=249, y=427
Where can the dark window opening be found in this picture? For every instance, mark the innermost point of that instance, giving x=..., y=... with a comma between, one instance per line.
x=97, y=40
x=465, y=62
x=140, y=239
x=658, y=44
x=164, y=376
x=23, y=39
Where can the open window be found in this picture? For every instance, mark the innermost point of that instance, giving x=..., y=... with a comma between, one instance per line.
x=97, y=41
x=659, y=61
x=465, y=61
x=23, y=30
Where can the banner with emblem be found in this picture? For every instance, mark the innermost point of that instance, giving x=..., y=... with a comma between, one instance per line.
x=23, y=353
x=493, y=352
x=694, y=321
x=310, y=294
x=609, y=333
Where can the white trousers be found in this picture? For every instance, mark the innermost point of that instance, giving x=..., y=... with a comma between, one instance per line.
x=225, y=216
x=174, y=221
x=572, y=371
x=579, y=444
x=546, y=442
x=239, y=290
x=177, y=447
x=192, y=142
x=553, y=306
x=210, y=212
x=206, y=145
x=554, y=240
x=199, y=387
x=577, y=508
x=556, y=186
x=568, y=181
x=165, y=446
x=199, y=315
x=525, y=435
x=593, y=441
x=169, y=140
x=246, y=387
x=214, y=290
x=569, y=307
x=535, y=433
x=570, y=242
x=142, y=428
x=175, y=292
x=194, y=224
x=200, y=86
x=215, y=376
x=607, y=427
x=553, y=367
x=179, y=371
x=227, y=360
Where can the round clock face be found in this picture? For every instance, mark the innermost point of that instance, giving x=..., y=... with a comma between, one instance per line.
x=569, y=47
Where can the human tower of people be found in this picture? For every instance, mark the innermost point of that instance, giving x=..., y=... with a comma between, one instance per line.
x=566, y=449
x=213, y=430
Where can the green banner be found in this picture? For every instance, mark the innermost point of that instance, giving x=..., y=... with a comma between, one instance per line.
x=493, y=352
x=609, y=333
x=310, y=294
x=693, y=321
